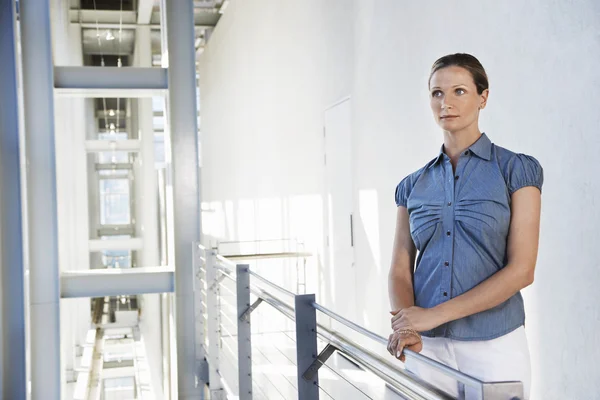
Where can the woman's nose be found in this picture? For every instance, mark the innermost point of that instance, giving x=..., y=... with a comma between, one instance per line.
x=445, y=105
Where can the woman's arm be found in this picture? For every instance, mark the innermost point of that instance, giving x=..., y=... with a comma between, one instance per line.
x=400, y=286
x=522, y=249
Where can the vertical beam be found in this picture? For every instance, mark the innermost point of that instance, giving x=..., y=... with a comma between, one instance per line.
x=38, y=87
x=306, y=345
x=182, y=112
x=12, y=295
x=146, y=212
x=212, y=295
x=145, y=174
x=244, y=332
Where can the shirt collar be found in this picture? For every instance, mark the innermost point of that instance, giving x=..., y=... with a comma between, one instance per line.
x=481, y=148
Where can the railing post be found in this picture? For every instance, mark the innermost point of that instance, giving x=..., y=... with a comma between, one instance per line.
x=244, y=332
x=214, y=376
x=201, y=361
x=306, y=345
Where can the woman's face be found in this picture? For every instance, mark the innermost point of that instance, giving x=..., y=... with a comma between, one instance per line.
x=454, y=99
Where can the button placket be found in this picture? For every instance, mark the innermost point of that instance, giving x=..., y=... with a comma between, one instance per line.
x=448, y=225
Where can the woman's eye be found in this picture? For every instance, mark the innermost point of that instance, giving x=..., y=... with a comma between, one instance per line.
x=436, y=93
x=460, y=91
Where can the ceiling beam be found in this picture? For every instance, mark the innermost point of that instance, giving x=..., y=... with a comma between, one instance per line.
x=144, y=11
x=94, y=146
x=115, y=244
x=116, y=281
x=110, y=81
x=107, y=19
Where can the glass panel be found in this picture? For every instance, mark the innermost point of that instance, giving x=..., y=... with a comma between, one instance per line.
x=114, y=202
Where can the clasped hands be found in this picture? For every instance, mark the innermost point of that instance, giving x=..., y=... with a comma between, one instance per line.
x=406, y=325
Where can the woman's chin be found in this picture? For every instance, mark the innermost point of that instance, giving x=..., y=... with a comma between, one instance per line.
x=450, y=125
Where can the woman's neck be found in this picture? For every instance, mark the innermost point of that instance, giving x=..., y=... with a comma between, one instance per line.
x=456, y=142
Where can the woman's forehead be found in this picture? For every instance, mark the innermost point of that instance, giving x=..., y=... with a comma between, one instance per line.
x=451, y=76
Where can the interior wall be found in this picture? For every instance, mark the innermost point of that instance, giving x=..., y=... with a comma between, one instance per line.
x=271, y=68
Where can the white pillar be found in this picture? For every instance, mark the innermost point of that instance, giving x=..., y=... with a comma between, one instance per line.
x=146, y=215
x=185, y=172
x=38, y=91
x=12, y=297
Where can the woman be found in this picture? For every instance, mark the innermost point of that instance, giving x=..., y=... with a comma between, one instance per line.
x=473, y=214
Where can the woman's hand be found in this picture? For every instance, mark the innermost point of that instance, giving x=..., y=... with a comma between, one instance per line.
x=398, y=341
x=417, y=318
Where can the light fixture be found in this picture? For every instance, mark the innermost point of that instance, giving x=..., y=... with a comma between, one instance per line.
x=112, y=127
x=109, y=35
x=111, y=113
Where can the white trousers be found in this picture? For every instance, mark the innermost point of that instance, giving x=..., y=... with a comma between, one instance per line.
x=502, y=359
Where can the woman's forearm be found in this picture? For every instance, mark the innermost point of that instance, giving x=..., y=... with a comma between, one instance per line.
x=401, y=291
x=488, y=294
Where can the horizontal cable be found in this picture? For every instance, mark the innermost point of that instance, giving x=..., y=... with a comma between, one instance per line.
x=345, y=379
x=226, y=317
x=227, y=289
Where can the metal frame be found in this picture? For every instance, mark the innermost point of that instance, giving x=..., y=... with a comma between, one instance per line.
x=38, y=94
x=13, y=375
x=184, y=174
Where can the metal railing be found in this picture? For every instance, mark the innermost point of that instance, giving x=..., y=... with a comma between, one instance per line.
x=212, y=269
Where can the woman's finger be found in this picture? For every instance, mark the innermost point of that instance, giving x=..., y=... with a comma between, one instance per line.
x=394, y=343
x=400, y=348
x=390, y=348
x=391, y=344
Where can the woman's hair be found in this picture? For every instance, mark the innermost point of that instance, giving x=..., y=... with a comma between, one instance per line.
x=467, y=62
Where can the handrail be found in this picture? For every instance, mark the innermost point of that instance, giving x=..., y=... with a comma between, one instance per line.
x=273, y=285
x=459, y=376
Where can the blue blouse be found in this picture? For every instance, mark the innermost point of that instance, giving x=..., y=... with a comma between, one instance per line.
x=459, y=223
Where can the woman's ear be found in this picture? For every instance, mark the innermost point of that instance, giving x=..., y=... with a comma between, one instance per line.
x=483, y=99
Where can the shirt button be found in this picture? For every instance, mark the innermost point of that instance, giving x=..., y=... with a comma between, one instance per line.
x=445, y=294
x=456, y=178
x=448, y=233
x=446, y=263
x=467, y=153
x=449, y=203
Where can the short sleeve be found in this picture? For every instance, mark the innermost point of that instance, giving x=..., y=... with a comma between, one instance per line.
x=524, y=170
x=402, y=191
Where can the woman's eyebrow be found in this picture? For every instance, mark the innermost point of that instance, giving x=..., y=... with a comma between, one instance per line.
x=454, y=86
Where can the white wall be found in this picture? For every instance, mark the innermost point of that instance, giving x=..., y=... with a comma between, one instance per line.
x=271, y=68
